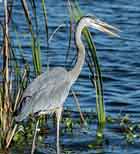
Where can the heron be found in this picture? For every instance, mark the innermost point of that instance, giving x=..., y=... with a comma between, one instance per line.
x=47, y=93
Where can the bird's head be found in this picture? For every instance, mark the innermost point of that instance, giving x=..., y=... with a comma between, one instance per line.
x=93, y=22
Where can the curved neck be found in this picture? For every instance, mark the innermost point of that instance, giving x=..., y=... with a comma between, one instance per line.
x=74, y=73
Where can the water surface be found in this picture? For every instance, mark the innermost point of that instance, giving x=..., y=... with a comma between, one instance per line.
x=120, y=65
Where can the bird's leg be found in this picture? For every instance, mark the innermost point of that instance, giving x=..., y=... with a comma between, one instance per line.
x=58, y=116
x=34, y=139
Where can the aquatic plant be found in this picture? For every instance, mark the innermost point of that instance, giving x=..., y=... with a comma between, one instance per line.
x=93, y=64
x=14, y=77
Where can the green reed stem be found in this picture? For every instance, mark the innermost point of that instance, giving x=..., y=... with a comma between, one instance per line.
x=97, y=80
x=36, y=54
x=46, y=18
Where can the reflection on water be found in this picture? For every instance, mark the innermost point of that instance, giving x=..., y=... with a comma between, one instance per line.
x=119, y=59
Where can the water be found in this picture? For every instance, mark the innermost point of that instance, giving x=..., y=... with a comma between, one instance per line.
x=120, y=65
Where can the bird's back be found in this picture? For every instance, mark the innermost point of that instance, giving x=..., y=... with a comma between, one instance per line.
x=45, y=93
x=46, y=77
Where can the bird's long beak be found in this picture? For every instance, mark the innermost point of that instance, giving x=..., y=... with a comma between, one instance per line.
x=104, y=27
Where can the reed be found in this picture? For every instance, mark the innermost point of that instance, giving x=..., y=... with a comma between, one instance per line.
x=94, y=67
x=14, y=78
x=36, y=55
x=45, y=18
x=5, y=101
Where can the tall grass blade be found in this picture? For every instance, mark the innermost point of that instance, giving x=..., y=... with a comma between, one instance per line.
x=100, y=107
x=46, y=18
x=33, y=4
x=36, y=56
x=5, y=119
x=35, y=41
x=27, y=15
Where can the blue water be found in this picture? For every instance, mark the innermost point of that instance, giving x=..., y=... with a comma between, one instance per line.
x=119, y=60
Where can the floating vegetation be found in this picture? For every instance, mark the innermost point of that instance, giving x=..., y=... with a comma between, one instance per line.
x=71, y=125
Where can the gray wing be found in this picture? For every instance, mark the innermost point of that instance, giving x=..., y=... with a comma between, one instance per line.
x=48, y=101
x=50, y=94
x=46, y=77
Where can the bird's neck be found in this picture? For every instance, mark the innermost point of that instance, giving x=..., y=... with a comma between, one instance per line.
x=74, y=73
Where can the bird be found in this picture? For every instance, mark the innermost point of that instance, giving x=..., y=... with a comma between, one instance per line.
x=47, y=93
